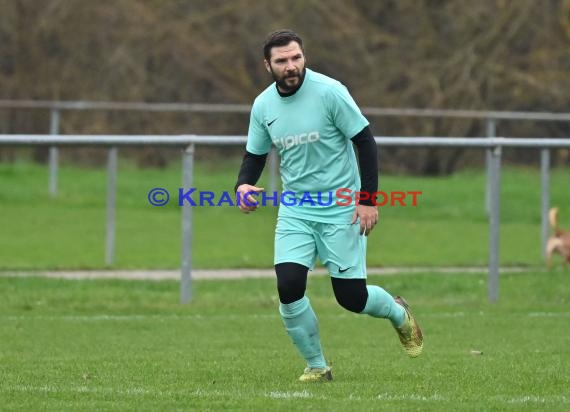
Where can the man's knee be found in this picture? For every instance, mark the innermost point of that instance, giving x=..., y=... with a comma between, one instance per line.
x=351, y=294
x=291, y=281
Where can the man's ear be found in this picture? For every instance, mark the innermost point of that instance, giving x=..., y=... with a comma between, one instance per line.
x=267, y=66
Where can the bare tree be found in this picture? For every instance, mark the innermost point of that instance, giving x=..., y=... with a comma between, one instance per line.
x=489, y=54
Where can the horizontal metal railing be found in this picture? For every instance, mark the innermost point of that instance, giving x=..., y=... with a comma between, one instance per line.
x=182, y=140
x=245, y=108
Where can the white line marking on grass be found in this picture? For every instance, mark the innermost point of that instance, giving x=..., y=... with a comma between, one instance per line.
x=85, y=389
x=411, y=397
x=533, y=399
x=549, y=314
x=289, y=395
x=128, y=391
x=528, y=399
x=208, y=393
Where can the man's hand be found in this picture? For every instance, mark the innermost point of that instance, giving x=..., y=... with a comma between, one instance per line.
x=368, y=218
x=246, y=199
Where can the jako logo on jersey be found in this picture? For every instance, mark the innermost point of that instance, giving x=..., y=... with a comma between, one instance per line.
x=295, y=140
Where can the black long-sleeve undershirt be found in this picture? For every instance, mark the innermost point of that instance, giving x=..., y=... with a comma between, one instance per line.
x=251, y=167
x=368, y=161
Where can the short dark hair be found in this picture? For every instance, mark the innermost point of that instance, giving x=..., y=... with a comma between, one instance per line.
x=280, y=38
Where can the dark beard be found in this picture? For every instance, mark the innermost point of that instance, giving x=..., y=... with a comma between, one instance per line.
x=282, y=85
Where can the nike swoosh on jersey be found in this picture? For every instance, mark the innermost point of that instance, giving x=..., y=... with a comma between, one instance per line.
x=271, y=122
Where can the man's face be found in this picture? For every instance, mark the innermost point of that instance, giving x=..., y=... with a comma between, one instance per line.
x=286, y=65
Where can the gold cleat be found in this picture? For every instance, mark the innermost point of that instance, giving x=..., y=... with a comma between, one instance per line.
x=316, y=375
x=410, y=333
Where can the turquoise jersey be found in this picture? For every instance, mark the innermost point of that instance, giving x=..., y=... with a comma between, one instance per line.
x=311, y=131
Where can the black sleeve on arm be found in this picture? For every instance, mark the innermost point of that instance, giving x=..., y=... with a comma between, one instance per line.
x=368, y=161
x=251, y=167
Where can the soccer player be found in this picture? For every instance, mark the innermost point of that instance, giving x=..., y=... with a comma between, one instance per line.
x=313, y=122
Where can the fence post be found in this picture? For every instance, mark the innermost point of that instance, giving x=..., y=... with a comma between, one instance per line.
x=494, y=220
x=112, y=161
x=544, y=196
x=491, y=131
x=53, y=153
x=186, y=266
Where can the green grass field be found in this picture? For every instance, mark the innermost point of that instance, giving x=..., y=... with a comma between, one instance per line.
x=123, y=345
x=448, y=227
x=129, y=345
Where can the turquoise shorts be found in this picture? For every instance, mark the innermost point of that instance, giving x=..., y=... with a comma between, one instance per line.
x=340, y=247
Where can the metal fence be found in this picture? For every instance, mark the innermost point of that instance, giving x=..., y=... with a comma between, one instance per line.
x=492, y=145
x=490, y=118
